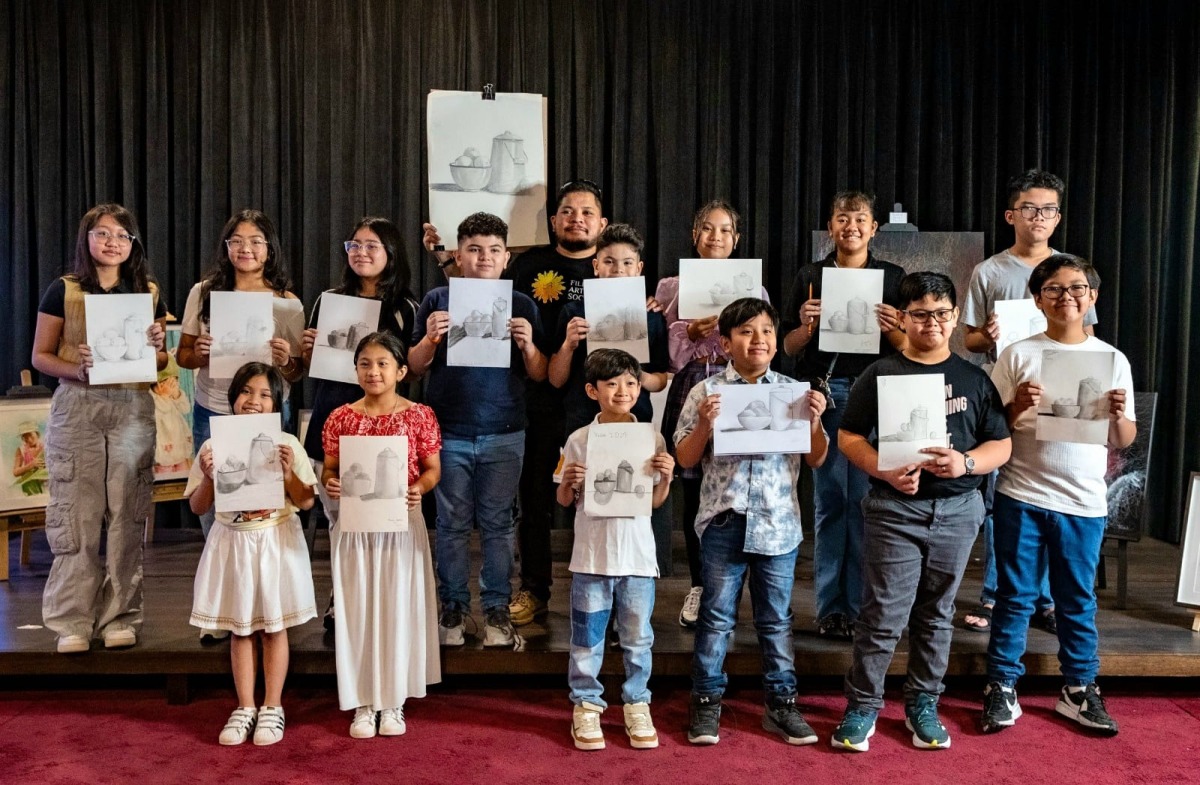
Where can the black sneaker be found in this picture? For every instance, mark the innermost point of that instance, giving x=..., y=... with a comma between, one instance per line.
x=835, y=626
x=1086, y=707
x=1000, y=707
x=704, y=719
x=784, y=719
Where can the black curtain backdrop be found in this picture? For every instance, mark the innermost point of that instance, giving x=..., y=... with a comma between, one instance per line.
x=314, y=112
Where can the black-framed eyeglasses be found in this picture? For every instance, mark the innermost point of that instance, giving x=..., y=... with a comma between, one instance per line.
x=581, y=185
x=369, y=247
x=942, y=315
x=1030, y=211
x=1075, y=290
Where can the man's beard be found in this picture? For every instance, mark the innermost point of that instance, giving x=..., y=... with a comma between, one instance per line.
x=575, y=246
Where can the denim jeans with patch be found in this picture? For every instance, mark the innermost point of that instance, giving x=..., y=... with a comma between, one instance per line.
x=593, y=599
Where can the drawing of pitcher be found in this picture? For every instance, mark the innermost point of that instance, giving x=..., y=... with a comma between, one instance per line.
x=257, y=333
x=856, y=316
x=917, y=426
x=781, y=409
x=508, y=163
x=135, y=338
x=624, y=477
x=262, y=465
x=499, y=318
x=1090, y=396
x=387, y=474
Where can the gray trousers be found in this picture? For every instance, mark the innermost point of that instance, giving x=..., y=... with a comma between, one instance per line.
x=99, y=454
x=913, y=561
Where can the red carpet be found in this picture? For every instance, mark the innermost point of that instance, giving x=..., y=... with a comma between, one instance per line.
x=499, y=736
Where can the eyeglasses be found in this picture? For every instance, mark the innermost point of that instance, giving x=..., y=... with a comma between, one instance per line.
x=237, y=243
x=1030, y=211
x=581, y=185
x=942, y=315
x=1075, y=290
x=102, y=236
x=370, y=247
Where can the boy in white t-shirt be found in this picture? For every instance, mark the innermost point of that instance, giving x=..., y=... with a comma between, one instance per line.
x=614, y=565
x=1051, y=498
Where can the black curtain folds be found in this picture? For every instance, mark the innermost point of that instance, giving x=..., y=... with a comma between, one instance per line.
x=313, y=110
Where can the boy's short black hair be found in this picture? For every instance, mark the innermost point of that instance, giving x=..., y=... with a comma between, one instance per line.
x=852, y=201
x=1046, y=270
x=620, y=234
x=1035, y=178
x=248, y=372
x=604, y=364
x=483, y=225
x=580, y=186
x=914, y=287
x=742, y=311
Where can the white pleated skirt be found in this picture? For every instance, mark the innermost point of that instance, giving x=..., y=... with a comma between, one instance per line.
x=254, y=580
x=386, y=638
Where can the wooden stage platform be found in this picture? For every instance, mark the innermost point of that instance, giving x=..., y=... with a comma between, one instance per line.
x=1150, y=638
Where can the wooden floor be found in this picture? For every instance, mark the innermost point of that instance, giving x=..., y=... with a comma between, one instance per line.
x=1151, y=637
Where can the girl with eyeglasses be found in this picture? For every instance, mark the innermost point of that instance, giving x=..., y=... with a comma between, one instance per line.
x=248, y=258
x=99, y=444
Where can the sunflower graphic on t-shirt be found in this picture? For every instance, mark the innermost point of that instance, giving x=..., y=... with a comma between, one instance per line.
x=548, y=286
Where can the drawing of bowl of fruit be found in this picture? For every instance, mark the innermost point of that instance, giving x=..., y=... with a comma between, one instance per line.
x=471, y=171
x=755, y=417
x=605, y=483
x=111, y=346
x=722, y=294
x=1065, y=407
x=231, y=475
x=476, y=325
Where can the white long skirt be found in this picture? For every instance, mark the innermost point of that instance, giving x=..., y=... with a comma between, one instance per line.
x=254, y=580
x=386, y=641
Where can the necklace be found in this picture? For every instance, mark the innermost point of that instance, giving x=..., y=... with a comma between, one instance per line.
x=370, y=425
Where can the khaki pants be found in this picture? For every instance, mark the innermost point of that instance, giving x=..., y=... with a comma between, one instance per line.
x=99, y=453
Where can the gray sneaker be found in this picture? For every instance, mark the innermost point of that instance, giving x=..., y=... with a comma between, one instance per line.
x=451, y=627
x=499, y=628
x=704, y=719
x=784, y=719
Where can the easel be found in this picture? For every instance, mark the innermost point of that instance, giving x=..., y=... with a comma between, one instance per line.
x=1196, y=621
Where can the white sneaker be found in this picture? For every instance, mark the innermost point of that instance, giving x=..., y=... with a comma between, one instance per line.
x=585, y=727
x=237, y=727
x=639, y=727
x=499, y=629
x=363, y=724
x=391, y=722
x=208, y=635
x=691, y=607
x=270, y=726
x=73, y=644
x=451, y=628
x=121, y=638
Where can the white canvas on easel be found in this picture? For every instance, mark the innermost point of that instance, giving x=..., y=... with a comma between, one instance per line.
x=848, y=301
x=116, y=327
x=912, y=416
x=374, y=478
x=1018, y=319
x=706, y=286
x=615, y=309
x=480, y=310
x=344, y=321
x=488, y=155
x=242, y=325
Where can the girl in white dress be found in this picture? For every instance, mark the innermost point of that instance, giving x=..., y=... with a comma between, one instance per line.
x=386, y=633
x=254, y=578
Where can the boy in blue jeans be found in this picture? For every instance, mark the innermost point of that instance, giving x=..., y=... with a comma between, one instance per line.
x=613, y=565
x=921, y=519
x=749, y=529
x=1051, y=506
x=482, y=415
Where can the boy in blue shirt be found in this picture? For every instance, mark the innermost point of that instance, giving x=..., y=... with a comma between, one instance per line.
x=749, y=529
x=481, y=412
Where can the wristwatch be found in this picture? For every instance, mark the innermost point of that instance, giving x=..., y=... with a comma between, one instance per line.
x=969, y=462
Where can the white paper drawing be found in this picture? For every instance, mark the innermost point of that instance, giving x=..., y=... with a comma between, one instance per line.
x=479, y=313
x=374, y=475
x=912, y=416
x=116, y=330
x=1018, y=319
x=344, y=321
x=1074, y=402
x=615, y=309
x=706, y=286
x=619, y=481
x=762, y=418
x=242, y=325
x=848, y=300
x=247, y=473
x=489, y=156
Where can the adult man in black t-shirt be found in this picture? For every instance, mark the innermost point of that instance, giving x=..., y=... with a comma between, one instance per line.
x=553, y=276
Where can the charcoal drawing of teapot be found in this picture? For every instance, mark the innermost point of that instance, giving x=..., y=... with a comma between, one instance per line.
x=508, y=163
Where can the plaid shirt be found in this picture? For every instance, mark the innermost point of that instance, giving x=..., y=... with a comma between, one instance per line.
x=761, y=487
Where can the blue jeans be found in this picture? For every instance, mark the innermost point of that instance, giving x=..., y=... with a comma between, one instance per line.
x=593, y=598
x=1070, y=544
x=838, y=491
x=987, y=597
x=479, y=480
x=917, y=551
x=725, y=569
